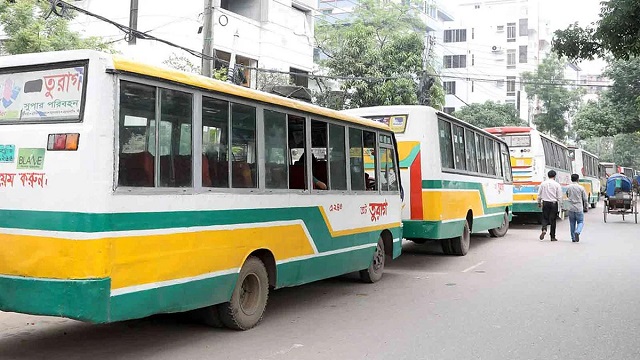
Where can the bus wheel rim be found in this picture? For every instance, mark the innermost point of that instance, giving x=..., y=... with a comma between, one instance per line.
x=378, y=258
x=250, y=294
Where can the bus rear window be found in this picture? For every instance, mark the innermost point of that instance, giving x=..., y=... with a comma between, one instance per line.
x=397, y=123
x=52, y=93
x=517, y=140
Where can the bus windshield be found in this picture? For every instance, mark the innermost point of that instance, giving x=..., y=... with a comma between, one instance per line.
x=521, y=140
x=397, y=123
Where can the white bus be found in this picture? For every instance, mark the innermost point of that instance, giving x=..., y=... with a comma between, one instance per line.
x=533, y=154
x=457, y=178
x=585, y=164
x=129, y=190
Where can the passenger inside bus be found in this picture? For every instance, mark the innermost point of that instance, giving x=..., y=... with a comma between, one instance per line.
x=316, y=167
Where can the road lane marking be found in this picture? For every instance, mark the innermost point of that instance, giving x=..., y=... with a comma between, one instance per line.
x=473, y=267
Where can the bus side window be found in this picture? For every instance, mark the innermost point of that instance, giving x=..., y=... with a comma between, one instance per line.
x=136, y=156
x=244, y=171
x=337, y=158
x=275, y=142
x=175, y=157
x=371, y=159
x=319, y=152
x=356, y=162
x=296, y=140
x=215, y=142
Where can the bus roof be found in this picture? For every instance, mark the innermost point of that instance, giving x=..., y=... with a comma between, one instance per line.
x=573, y=147
x=509, y=130
x=126, y=65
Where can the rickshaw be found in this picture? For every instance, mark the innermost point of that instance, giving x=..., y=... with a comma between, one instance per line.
x=620, y=197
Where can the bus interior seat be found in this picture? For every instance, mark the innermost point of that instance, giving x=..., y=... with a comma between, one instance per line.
x=136, y=169
x=219, y=172
x=241, y=175
x=320, y=170
x=296, y=177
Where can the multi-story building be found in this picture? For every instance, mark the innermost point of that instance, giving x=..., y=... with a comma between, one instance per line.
x=594, y=85
x=488, y=48
x=270, y=34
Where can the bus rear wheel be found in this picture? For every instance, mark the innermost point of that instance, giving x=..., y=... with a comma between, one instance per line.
x=502, y=230
x=460, y=244
x=249, y=297
x=446, y=246
x=374, y=272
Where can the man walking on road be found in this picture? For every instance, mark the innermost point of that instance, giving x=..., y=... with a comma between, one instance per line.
x=549, y=196
x=577, y=207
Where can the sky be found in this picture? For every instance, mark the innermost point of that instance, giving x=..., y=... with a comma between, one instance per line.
x=562, y=13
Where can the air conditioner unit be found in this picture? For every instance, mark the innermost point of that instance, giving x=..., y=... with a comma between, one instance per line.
x=496, y=49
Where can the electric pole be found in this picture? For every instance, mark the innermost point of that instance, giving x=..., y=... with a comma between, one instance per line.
x=133, y=21
x=207, y=35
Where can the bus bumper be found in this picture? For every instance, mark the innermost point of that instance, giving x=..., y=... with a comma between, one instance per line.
x=526, y=208
x=86, y=300
x=422, y=229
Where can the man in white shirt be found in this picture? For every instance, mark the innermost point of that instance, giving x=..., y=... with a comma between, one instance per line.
x=549, y=198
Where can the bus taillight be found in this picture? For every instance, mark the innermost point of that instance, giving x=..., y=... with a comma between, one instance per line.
x=63, y=142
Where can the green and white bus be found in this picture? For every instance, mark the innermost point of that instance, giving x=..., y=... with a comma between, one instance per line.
x=129, y=190
x=585, y=164
x=457, y=178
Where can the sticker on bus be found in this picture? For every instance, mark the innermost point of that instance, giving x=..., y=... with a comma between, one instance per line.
x=7, y=153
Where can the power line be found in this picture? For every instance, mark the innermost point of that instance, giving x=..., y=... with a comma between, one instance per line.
x=61, y=8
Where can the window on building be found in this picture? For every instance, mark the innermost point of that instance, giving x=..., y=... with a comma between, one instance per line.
x=477, y=6
x=449, y=110
x=473, y=33
x=524, y=27
x=446, y=144
x=510, y=102
x=455, y=35
x=247, y=8
x=511, y=59
x=499, y=28
x=299, y=77
x=473, y=60
x=454, y=61
x=449, y=87
x=511, y=32
x=522, y=54
x=511, y=85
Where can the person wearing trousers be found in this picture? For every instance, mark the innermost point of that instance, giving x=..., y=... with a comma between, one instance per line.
x=549, y=198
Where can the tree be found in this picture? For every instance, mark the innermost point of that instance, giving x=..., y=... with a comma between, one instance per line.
x=489, y=114
x=618, y=109
x=548, y=85
x=382, y=47
x=30, y=31
x=616, y=33
x=621, y=149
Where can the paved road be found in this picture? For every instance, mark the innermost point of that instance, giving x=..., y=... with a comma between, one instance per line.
x=510, y=298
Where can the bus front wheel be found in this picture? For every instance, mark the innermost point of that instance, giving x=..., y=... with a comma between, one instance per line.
x=502, y=230
x=374, y=272
x=460, y=244
x=249, y=297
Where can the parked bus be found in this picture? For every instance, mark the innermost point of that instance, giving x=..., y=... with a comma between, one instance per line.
x=129, y=190
x=533, y=154
x=606, y=169
x=457, y=177
x=585, y=164
x=627, y=171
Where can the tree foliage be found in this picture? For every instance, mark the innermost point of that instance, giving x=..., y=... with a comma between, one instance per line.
x=616, y=33
x=489, y=114
x=621, y=149
x=28, y=30
x=548, y=85
x=618, y=109
x=383, y=43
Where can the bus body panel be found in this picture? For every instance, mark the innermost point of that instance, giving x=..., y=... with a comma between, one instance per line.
x=77, y=246
x=530, y=168
x=588, y=172
x=437, y=202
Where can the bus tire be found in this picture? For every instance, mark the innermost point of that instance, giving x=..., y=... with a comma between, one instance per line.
x=375, y=270
x=249, y=297
x=460, y=244
x=446, y=246
x=502, y=230
x=593, y=205
x=209, y=316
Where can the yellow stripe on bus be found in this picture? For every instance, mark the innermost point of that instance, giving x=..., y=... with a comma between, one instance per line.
x=449, y=205
x=521, y=162
x=525, y=197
